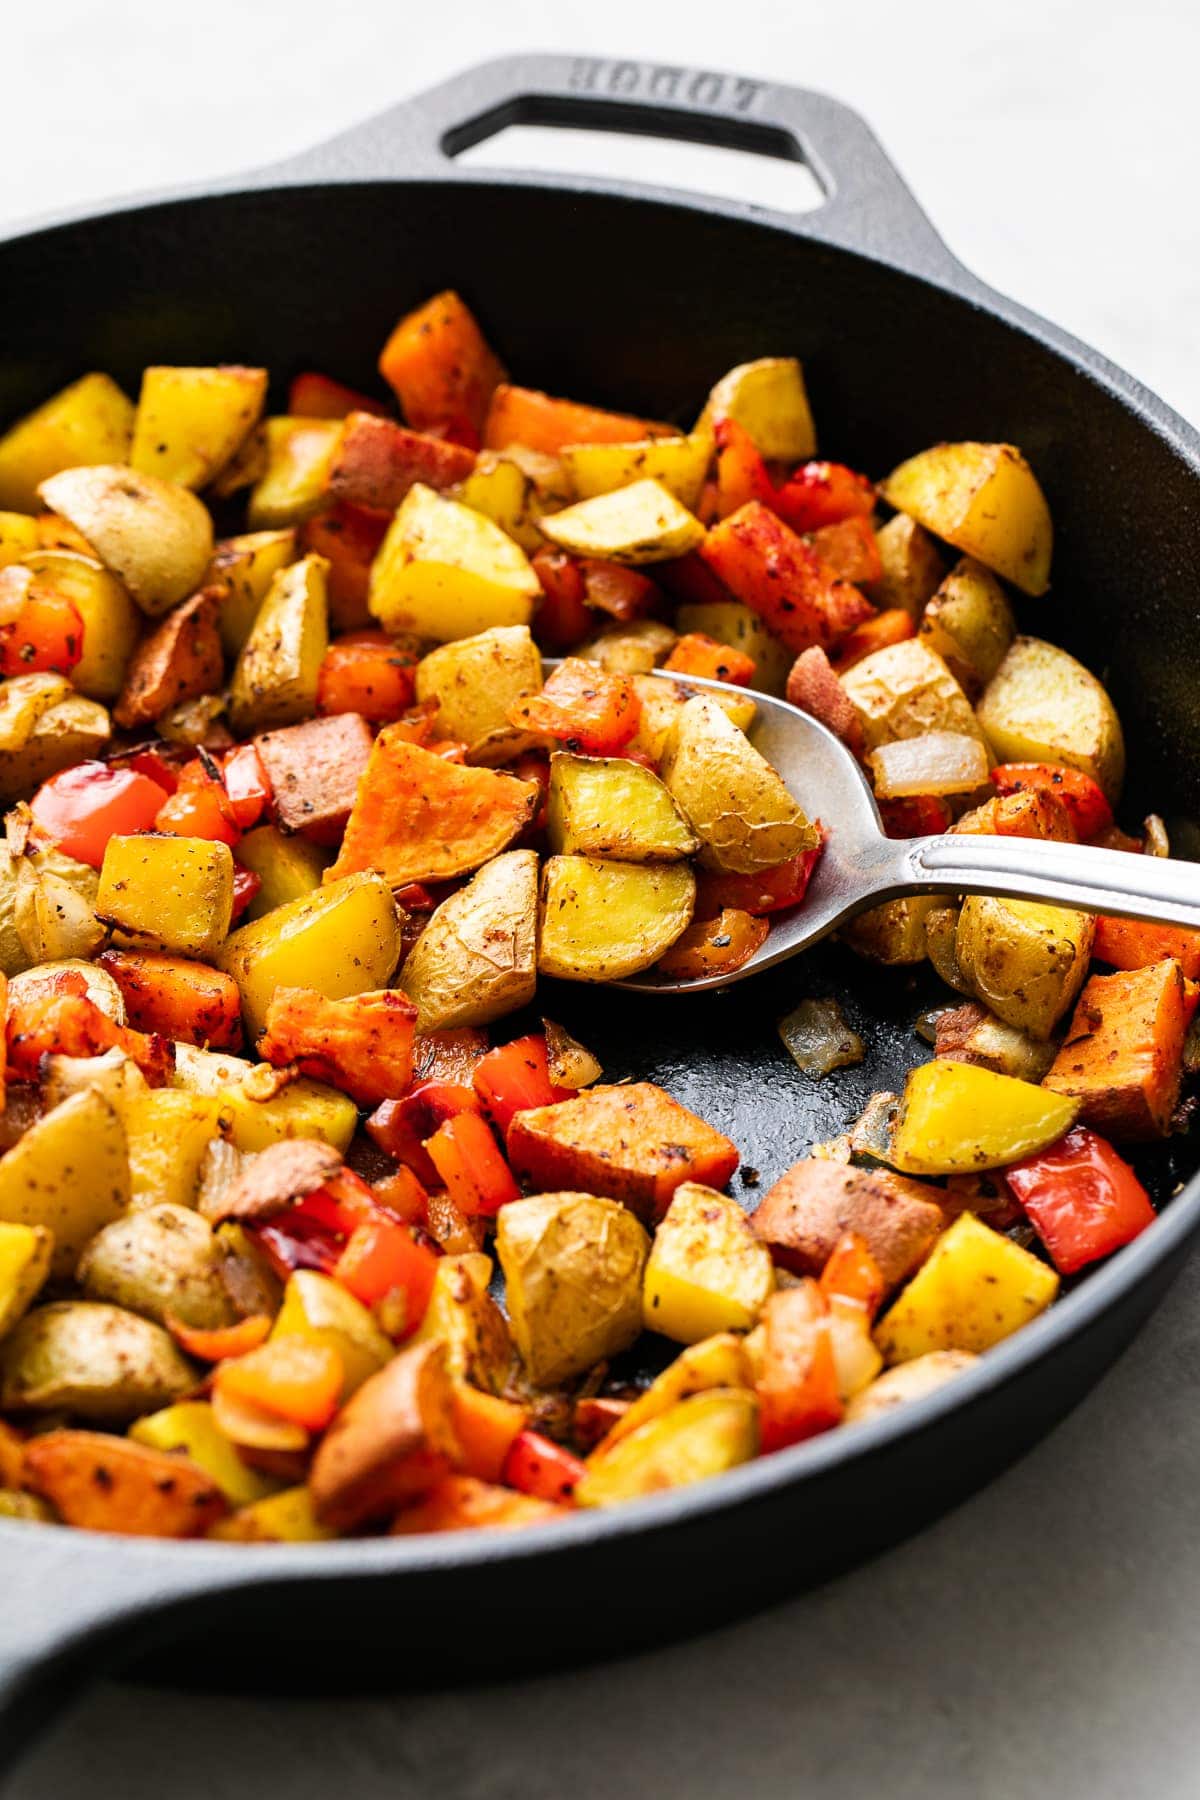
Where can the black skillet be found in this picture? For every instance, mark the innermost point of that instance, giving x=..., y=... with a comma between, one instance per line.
x=637, y=299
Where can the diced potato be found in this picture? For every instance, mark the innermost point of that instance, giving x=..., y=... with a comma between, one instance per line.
x=89, y=422
x=475, y=681
x=639, y=524
x=102, y=990
x=160, y=1262
x=464, y=1317
x=956, y=1119
x=14, y=1504
x=722, y=1361
x=303, y=1109
x=293, y=484
x=189, y=1426
x=286, y=1518
x=504, y=493
x=167, y=1131
x=573, y=1267
x=18, y=537
x=731, y=622
x=321, y=1311
x=976, y=1288
x=632, y=649
x=907, y=1381
x=477, y=958
x=275, y=681
x=906, y=691
x=969, y=624
x=603, y=921
x=154, y=535
x=288, y=867
x=68, y=1173
x=700, y=1437
x=1043, y=706
x=985, y=500
x=112, y=624
x=45, y=726
x=1024, y=960
x=894, y=933
x=99, y=1362
x=25, y=1252
x=341, y=939
x=173, y=894
x=615, y=809
x=735, y=802
x=191, y=421
x=247, y=566
x=913, y=568
x=661, y=697
x=768, y=399
x=707, y=1271
x=679, y=464
x=445, y=571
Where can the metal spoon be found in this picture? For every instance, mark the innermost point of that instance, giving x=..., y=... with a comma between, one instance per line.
x=860, y=867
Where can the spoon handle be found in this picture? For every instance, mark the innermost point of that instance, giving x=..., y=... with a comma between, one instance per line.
x=1099, y=881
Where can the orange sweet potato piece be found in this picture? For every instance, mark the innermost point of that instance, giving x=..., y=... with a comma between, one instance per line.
x=1122, y=1057
x=178, y=998
x=314, y=770
x=816, y=1202
x=877, y=633
x=850, y=549
x=461, y=1503
x=363, y=1045
x=698, y=654
x=519, y=415
x=1031, y=814
x=441, y=367
x=633, y=1143
x=104, y=1483
x=376, y=462
x=180, y=660
x=391, y=1442
x=1133, y=944
x=771, y=568
x=418, y=817
x=813, y=685
x=72, y=1025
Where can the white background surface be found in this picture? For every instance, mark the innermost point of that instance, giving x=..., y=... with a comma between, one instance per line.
x=1046, y=1638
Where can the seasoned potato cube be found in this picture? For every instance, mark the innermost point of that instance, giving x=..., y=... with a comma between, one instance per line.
x=445, y=571
x=191, y=421
x=475, y=681
x=247, y=566
x=969, y=624
x=661, y=697
x=463, y=1316
x=293, y=482
x=68, y=1173
x=173, y=894
x=733, y=799
x=602, y=921
x=163, y=1260
x=477, y=958
x=342, y=939
x=906, y=691
x=768, y=399
x=707, y=1271
x=288, y=867
x=894, y=933
x=25, y=1252
x=303, y=1109
x=632, y=649
x=732, y=622
x=155, y=535
x=985, y=500
x=721, y=1361
x=957, y=1119
x=573, y=1268
x=615, y=809
x=639, y=524
x=1043, y=706
x=907, y=1381
x=700, y=1437
x=505, y=494
x=1026, y=961
x=913, y=568
x=189, y=1426
x=976, y=1288
x=89, y=422
x=286, y=1518
x=99, y=1362
x=167, y=1132
x=112, y=624
x=321, y=1311
x=275, y=682
x=677, y=463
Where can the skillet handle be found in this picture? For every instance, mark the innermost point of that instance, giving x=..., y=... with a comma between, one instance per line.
x=866, y=205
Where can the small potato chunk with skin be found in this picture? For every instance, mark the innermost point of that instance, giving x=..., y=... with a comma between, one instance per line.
x=643, y=523
x=99, y=1362
x=662, y=698
x=389, y=1444
x=275, y=681
x=303, y=1109
x=814, y=1204
x=956, y=1119
x=91, y=421
x=721, y=1361
x=1043, y=706
x=167, y=1132
x=477, y=958
x=285, y=1518
x=180, y=660
x=976, y=1288
x=1122, y=1059
x=913, y=568
x=1024, y=960
x=44, y=727
x=969, y=624
x=907, y=1381
x=573, y=1266
x=246, y=566
x=191, y=421
x=25, y=1252
x=768, y=399
x=604, y=921
x=100, y=1483
x=161, y=1261
x=905, y=691
x=475, y=681
x=463, y=1317
x=68, y=1173
x=735, y=802
x=112, y=623
x=155, y=535
x=314, y=769
x=700, y=1437
x=678, y=463
x=631, y=1141
x=707, y=1272
x=615, y=809
x=631, y=649
x=445, y=571
x=173, y=894
x=894, y=933
x=290, y=468
x=985, y=500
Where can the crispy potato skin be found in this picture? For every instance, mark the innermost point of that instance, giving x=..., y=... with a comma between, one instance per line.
x=573, y=1267
x=913, y=568
x=476, y=958
x=733, y=799
x=969, y=624
x=1026, y=961
x=603, y=921
x=905, y=691
x=802, y=1217
x=155, y=535
x=96, y=1361
x=275, y=681
x=159, y=1261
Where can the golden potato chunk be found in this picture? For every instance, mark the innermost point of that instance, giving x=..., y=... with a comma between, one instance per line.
x=275, y=682
x=173, y=894
x=477, y=958
x=96, y=1361
x=969, y=624
x=707, y=1272
x=1024, y=960
x=643, y=523
x=89, y=422
x=906, y=691
x=25, y=1252
x=1043, y=706
x=677, y=463
x=155, y=535
x=700, y=1437
x=976, y=1288
x=615, y=809
x=112, y=624
x=985, y=500
x=913, y=568
x=602, y=921
x=68, y=1174
x=191, y=421
x=475, y=681
x=733, y=799
x=768, y=399
x=444, y=571
x=246, y=566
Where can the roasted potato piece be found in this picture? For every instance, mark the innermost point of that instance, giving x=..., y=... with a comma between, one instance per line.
x=25, y=1252
x=102, y=990
x=969, y=624
x=976, y=1288
x=614, y=809
x=733, y=623
x=246, y=566
x=99, y=1362
x=112, y=623
x=45, y=726
x=275, y=682
x=504, y=493
x=173, y=894
x=101, y=1483
x=52, y=919
x=293, y=481
x=906, y=691
x=19, y=538
x=733, y=799
x=163, y=1260
x=1122, y=1059
x=985, y=500
x=700, y=1437
x=389, y=1444
x=661, y=699
x=913, y=568
x=154, y=535
x=894, y=933
x=445, y=571
x=956, y=1120
x=602, y=921
x=631, y=649
x=302, y=1109
x=167, y=1132
x=342, y=939
x=286, y=1518
x=189, y=1426
x=678, y=464
x=89, y=422
x=476, y=959
x=573, y=1267
x=475, y=681
x=768, y=399
x=463, y=1316
x=1043, y=706
x=191, y=421
x=1024, y=960
x=816, y=1202
x=639, y=524
x=707, y=1271
x=69, y=1173
x=721, y=1361
x=907, y=1381
x=179, y=661
x=288, y=867
x=321, y=1311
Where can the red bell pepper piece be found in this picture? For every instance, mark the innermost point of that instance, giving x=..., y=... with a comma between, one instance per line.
x=537, y=1465
x=468, y=1159
x=563, y=617
x=823, y=493
x=383, y=1261
x=247, y=785
x=40, y=631
x=245, y=885
x=798, y=1388
x=200, y=807
x=1083, y=798
x=917, y=815
x=776, y=572
x=315, y=396
x=151, y=760
x=585, y=706
x=81, y=808
x=366, y=672
x=766, y=892
x=1083, y=1199
x=852, y=1274
x=514, y=1077
x=401, y=1126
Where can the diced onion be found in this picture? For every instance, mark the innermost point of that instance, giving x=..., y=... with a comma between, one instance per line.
x=569, y=1062
x=941, y=762
x=818, y=1039
x=1157, y=841
x=871, y=1133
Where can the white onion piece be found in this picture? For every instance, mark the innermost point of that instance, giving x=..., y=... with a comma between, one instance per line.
x=1157, y=841
x=871, y=1132
x=570, y=1063
x=941, y=762
x=818, y=1039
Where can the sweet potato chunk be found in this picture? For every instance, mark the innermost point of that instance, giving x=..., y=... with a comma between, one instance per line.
x=463, y=1503
x=771, y=568
x=802, y=1217
x=180, y=660
x=1123, y=1054
x=376, y=462
x=815, y=687
x=181, y=999
x=420, y=818
x=441, y=366
x=633, y=1143
x=314, y=770
x=363, y=1045
x=104, y=1483
x=526, y=416
x=391, y=1442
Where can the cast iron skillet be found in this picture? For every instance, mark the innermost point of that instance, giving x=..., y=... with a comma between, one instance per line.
x=637, y=299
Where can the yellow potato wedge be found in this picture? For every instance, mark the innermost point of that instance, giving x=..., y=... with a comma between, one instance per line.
x=602, y=921
x=464, y=1317
x=913, y=567
x=615, y=809
x=171, y=894
x=25, y=1253
x=444, y=571
x=293, y=483
x=112, y=624
x=89, y=422
x=975, y=1289
x=707, y=1271
x=477, y=958
x=662, y=696
x=956, y=1119
x=679, y=464
x=246, y=566
x=985, y=500
x=905, y=691
x=632, y=649
x=643, y=523
x=721, y=1361
x=275, y=682
x=475, y=681
x=163, y=1260
x=99, y=1362
x=907, y=1381
x=739, y=626
x=1043, y=706
x=504, y=493
x=768, y=399
x=68, y=1173
x=732, y=798
x=190, y=422
x=969, y=624
x=700, y=1437
x=1024, y=960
